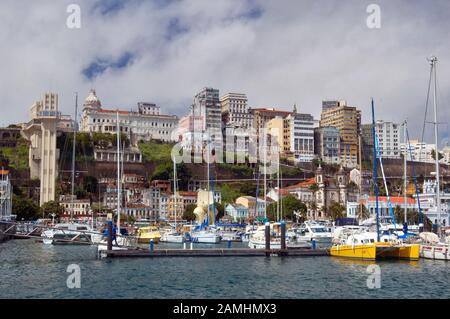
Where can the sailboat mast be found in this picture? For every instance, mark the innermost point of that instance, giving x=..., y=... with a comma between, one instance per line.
x=405, y=182
x=175, y=190
x=433, y=61
x=265, y=174
x=375, y=172
x=118, y=173
x=75, y=125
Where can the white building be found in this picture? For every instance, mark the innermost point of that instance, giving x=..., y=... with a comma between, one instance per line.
x=146, y=124
x=421, y=152
x=390, y=136
x=301, y=128
x=75, y=207
x=446, y=153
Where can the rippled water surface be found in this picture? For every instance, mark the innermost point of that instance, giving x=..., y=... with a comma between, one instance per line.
x=32, y=270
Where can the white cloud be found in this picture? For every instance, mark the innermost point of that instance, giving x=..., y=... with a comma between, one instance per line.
x=291, y=52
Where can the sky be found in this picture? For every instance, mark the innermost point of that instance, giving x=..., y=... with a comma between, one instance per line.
x=278, y=52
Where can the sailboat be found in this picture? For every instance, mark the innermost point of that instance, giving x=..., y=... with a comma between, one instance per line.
x=173, y=236
x=435, y=246
x=372, y=245
x=122, y=241
x=69, y=233
x=203, y=234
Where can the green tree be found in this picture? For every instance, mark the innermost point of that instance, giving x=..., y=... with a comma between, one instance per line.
x=363, y=212
x=290, y=204
x=229, y=193
x=336, y=211
x=52, y=207
x=189, y=213
x=433, y=155
x=248, y=189
x=25, y=208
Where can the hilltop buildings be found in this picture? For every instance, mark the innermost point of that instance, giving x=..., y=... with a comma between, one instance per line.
x=144, y=124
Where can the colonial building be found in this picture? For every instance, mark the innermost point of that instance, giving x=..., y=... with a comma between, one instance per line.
x=144, y=124
x=237, y=212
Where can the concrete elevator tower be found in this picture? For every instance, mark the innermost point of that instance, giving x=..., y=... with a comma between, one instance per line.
x=41, y=132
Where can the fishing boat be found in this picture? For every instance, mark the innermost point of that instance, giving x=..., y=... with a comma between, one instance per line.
x=375, y=244
x=147, y=234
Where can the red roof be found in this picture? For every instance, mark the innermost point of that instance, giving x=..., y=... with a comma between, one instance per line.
x=188, y=193
x=305, y=184
x=4, y=172
x=394, y=200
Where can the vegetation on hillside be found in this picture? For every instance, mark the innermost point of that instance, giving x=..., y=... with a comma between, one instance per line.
x=154, y=151
x=15, y=157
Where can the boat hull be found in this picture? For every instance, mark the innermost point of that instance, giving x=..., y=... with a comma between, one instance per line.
x=436, y=252
x=206, y=239
x=376, y=251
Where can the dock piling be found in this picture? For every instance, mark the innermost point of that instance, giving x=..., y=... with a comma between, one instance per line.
x=283, y=235
x=229, y=244
x=151, y=245
x=109, y=239
x=314, y=244
x=267, y=236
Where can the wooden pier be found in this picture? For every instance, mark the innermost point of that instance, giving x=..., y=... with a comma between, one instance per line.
x=214, y=252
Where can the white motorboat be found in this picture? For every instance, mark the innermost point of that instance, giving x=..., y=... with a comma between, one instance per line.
x=205, y=237
x=67, y=233
x=310, y=231
x=172, y=237
x=432, y=248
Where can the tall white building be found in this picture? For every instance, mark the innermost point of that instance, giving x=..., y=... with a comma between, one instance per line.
x=390, y=136
x=147, y=123
x=301, y=129
x=419, y=152
x=41, y=132
x=235, y=110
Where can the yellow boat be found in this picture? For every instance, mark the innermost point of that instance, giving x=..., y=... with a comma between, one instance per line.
x=362, y=246
x=146, y=234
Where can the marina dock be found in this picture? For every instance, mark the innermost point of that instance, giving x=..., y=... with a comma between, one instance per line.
x=214, y=252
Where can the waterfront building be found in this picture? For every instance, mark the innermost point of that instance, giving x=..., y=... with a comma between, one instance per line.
x=327, y=144
x=41, y=132
x=302, y=190
x=141, y=212
x=235, y=110
x=5, y=195
x=332, y=189
x=144, y=124
x=75, y=207
x=348, y=120
x=428, y=203
x=250, y=203
x=238, y=212
x=383, y=206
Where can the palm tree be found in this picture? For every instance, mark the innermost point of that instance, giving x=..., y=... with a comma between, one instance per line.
x=336, y=210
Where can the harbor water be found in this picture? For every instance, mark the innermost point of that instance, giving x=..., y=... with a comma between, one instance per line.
x=29, y=269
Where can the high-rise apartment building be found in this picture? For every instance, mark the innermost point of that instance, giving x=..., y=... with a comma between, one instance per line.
x=327, y=144
x=348, y=120
x=235, y=110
